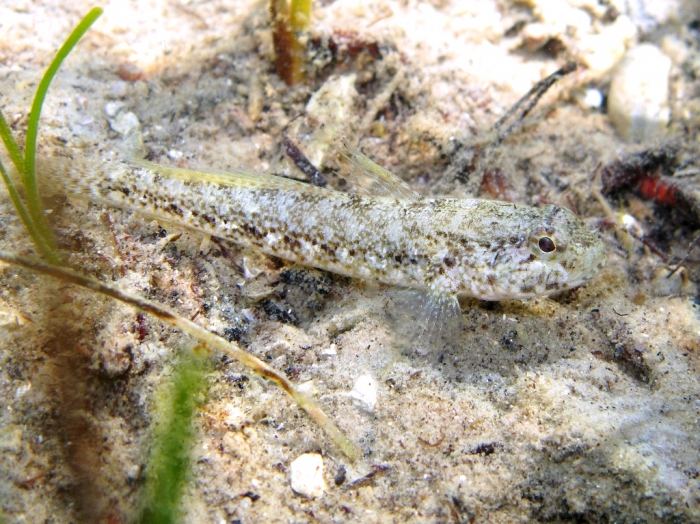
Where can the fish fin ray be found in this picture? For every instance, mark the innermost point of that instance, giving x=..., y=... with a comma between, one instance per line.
x=238, y=178
x=428, y=318
x=372, y=179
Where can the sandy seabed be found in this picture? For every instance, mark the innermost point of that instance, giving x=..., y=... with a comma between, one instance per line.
x=581, y=407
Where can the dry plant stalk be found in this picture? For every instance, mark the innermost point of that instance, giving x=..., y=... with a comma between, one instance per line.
x=209, y=339
x=290, y=18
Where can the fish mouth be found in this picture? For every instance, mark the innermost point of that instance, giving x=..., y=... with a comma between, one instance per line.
x=598, y=260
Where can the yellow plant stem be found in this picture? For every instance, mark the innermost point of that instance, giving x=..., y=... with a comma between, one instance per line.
x=287, y=25
x=301, y=14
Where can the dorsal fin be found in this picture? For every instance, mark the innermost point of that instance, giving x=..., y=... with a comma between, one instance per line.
x=238, y=178
x=380, y=181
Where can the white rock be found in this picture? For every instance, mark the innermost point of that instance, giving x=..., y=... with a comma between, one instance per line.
x=601, y=51
x=648, y=14
x=589, y=98
x=365, y=392
x=175, y=154
x=638, y=98
x=125, y=123
x=307, y=475
x=331, y=350
x=592, y=98
x=308, y=387
x=112, y=108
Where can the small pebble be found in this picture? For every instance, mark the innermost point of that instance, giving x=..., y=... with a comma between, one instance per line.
x=307, y=475
x=331, y=350
x=119, y=89
x=365, y=393
x=112, y=108
x=308, y=387
x=638, y=98
x=175, y=154
x=125, y=123
x=601, y=51
x=22, y=390
x=593, y=98
x=131, y=73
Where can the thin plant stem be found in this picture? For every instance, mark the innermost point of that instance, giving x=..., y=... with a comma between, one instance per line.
x=209, y=339
x=11, y=145
x=290, y=53
x=301, y=14
x=34, y=204
x=24, y=216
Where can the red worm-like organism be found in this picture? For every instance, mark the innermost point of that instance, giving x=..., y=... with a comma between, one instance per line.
x=659, y=190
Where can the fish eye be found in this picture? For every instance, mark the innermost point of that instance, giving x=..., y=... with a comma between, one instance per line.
x=546, y=244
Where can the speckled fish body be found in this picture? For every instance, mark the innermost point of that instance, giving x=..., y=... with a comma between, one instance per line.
x=480, y=248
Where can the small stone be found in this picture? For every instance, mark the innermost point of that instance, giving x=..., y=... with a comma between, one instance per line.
x=175, y=154
x=330, y=350
x=307, y=475
x=593, y=98
x=365, y=393
x=112, y=108
x=119, y=89
x=308, y=387
x=638, y=98
x=125, y=123
x=600, y=52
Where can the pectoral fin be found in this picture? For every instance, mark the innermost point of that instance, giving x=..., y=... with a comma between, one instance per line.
x=427, y=319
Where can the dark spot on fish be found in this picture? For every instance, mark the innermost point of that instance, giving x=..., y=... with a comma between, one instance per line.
x=175, y=210
x=252, y=231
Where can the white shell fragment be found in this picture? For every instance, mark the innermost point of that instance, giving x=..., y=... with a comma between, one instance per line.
x=638, y=99
x=125, y=123
x=365, y=393
x=307, y=475
x=592, y=98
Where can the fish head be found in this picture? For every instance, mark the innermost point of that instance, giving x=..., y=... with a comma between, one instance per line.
x=555, y=252
x=523, y=252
